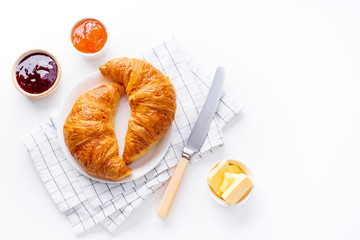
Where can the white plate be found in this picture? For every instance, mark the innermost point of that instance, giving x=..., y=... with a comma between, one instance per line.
x=122, y=115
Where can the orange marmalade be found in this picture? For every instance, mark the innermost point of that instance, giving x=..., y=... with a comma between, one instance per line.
x=89, y=36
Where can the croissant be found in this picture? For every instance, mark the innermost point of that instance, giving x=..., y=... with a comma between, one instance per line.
x=90, y=135
x=152, y=100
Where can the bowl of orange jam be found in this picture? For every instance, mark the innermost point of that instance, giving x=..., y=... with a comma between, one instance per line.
x=89, y=37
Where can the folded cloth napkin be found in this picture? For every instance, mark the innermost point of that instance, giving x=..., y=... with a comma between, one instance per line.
x=86, y=202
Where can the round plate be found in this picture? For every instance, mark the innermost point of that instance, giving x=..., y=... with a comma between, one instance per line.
x=122, y=115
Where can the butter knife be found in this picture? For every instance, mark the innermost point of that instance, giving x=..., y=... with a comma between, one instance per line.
x=194, y=142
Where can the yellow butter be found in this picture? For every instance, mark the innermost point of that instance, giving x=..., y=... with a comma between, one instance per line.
x=237, y=189
x=229, y=178
x=235, y=169
x=216, y=176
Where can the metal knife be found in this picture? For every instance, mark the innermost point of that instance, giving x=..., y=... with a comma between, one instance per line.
x=195, y=141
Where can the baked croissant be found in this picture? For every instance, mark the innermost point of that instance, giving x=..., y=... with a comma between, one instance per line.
x=152, y=100
x=90, y=135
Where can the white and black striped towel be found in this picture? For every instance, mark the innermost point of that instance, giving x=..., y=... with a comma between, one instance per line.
x=87, y=202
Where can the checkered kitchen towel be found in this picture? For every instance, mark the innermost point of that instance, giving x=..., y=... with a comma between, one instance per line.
x=86, y=202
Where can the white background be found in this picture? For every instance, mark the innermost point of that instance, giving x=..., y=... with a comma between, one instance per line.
x=294, y=65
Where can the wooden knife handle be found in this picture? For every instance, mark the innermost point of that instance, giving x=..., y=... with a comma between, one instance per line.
x=172, y=188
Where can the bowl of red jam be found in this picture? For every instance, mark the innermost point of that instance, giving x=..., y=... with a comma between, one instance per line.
x=36, y=73
x=89, y=37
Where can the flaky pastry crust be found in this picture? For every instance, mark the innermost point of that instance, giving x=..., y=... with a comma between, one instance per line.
x=90, y=135
x=152, y=100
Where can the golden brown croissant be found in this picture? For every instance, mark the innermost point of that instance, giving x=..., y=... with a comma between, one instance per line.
x=90, y=135
x=152, y=100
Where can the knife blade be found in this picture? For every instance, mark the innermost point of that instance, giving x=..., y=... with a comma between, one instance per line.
x=194, y=142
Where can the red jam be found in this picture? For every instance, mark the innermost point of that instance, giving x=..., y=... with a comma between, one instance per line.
x=36, y=73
